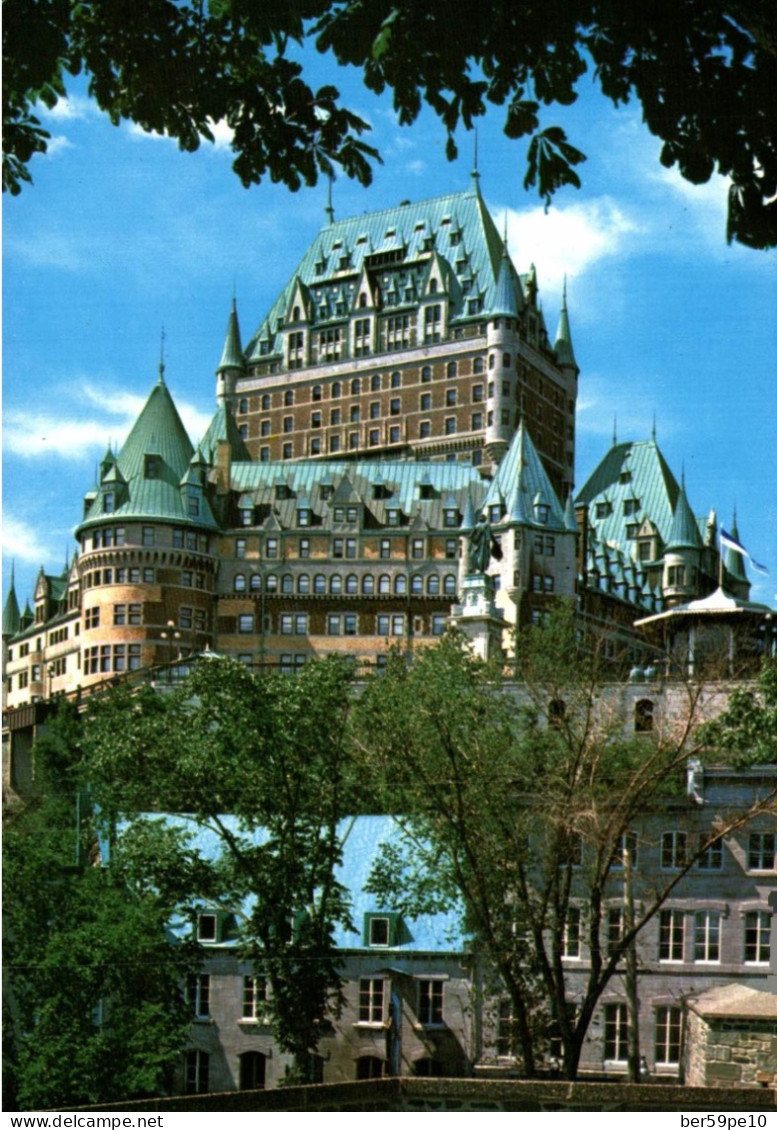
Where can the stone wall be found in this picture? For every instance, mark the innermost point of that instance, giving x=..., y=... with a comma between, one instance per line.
x=730, y=1053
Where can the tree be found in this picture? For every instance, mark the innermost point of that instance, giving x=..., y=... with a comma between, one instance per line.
x=528, y=812
x=94, y=1008
x=262, y=763
x=703, y=72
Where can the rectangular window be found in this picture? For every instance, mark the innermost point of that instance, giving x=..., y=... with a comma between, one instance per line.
x=379, y=931
x=119, y=615
x=198, y=994
x=668, y=1032
x=148, y=535
x=673, y=850
x=304, y=547
x=760, y=851
x=706, y=936
x=506, y=1031
x=134, y=616
x=571, y=940
x=385, y=548
x=616, y=1033
x=254, y=998
x=671, y=932
x=92, y=619
x=245, y=622
x=758, y=925
x=451, y=548
x=240, y=547
x=626, y=841
x=371, y=996
x=271, y=547
x=430, y=997
x=614, y=927
x=417, y=548
x=439, y=622
x=711, y=859
x=197, y=1073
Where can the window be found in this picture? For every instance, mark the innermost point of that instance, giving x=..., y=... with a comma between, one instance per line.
x=147, y=537
x=368, y=584
x=390, y=625
x=430, y=994
x=395, y=406
x=198, y=994
x=571, y=940
x=711, y=858
x=425, y=402
x=92, y=619
x=506, y=1031
x=476, y=422
x=424, y=429
x=673, y=850
x=240, y=547
x=288, y=396
x=375, y=383
x=615, y=923
x=352, y=584
x=449, y=584
x=394, y=435
x=336, y=584
x=758, y=924
x=615, y=1033
x=433, y=585
x=379, y=929
x=426, y=374
x=197, y=1073
x=450, y=425
x=384, y=584
x=288, y=451
x=245, y=622
x=451, y=548
x=207, y=927
x=294, y=624
x=450, y=397
x=304, y=547
x=439, y=621
x=417, y=548
x=240, y=582
x=668, y=1032
x=374, y=437
x=706, y=936
x=671, y=935
x=271, y=547
x=254, y=998
x=369, y=1067
x=643, y=716
x=450, y=518
x=760, y=851
x=627, y=841
x=371, y=997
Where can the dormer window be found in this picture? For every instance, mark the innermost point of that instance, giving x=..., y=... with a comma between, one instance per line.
x=109, y=502
x=193, y=504
x=392, y=517
x=303, y=516
x=450, y=518
x=542, y=511
x=382, y=930
x=495, y=512
x=152, y=467
x=207, y=927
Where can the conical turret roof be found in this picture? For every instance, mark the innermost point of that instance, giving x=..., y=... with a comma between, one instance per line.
x=223, y=427
x=733, y=560
x=232, y=353
x=684, y=532
x=11, y=615
x=563, y=344
x=505, y=303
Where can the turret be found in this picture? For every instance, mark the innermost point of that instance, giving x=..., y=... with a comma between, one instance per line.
x=681, y=557
x=502, y=341
x=231, y=365
x=11, y=614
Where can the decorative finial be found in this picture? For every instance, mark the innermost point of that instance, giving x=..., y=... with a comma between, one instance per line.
x=162, y=358
x=475, y=171
x=564, y=293
x=614, y=430
x=330, y=212
x=653, y=432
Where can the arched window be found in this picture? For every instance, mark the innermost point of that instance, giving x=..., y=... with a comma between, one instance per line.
x=295, y=314
x=287, y=583
x=416, y=584
x=452, y=369
x=400, y=584
x=303, y=583
x=643, y=715
x=369, y=1067
x=368, y=584
x=432, y=286
x=252, y=1071
x=426, y=373
x=316, y=392
x=319, y=583
x=375, y=382
x=337, y=388
x=265, y=402
x=355, y=386
x=242, y=405
x=491, y=360
x=433, y=585
x=256, y=582
x=449, y=584
x=288, y=397
x=272, y=582
x=396, y=380
x=384, y=583
x=351, y=584
x=362, y=300
x=240, y=582
x=477, y=365
x=336, y=584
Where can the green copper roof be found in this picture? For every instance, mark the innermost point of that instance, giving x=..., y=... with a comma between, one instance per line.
x=633, y=483
x=684, y=532
x=733, y=560
x=396, y=246
x=522, y=471
x=232, y=353
x=146, y=482
x=507, y=300
x=11, y=615
x=563, y=344
x=223, y=427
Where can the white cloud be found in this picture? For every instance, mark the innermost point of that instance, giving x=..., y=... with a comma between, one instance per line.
x=72, y=108
x=416, y=167
x=50, y=250
x=107, y=417
x=57, y=145
x=222, y=135
x=568, y=240
x=21, y=542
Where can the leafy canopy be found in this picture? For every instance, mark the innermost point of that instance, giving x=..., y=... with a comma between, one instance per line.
x=703, y=71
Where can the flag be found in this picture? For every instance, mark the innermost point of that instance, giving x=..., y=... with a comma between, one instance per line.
x=730, y=542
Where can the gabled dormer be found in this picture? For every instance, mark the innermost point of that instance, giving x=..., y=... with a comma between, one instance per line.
x=299, y=307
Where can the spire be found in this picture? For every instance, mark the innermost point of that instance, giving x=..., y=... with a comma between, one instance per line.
x=684, y=533
x=11, y=616
x=330, y=212
x=162, y=357
x=505, y=303
x=563, y=344
x=733, y=560
x=475, y=171
x=615, y=430
x=232, y=353
x=653, y=432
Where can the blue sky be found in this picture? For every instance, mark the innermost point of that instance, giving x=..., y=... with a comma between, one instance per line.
x=121, y=234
